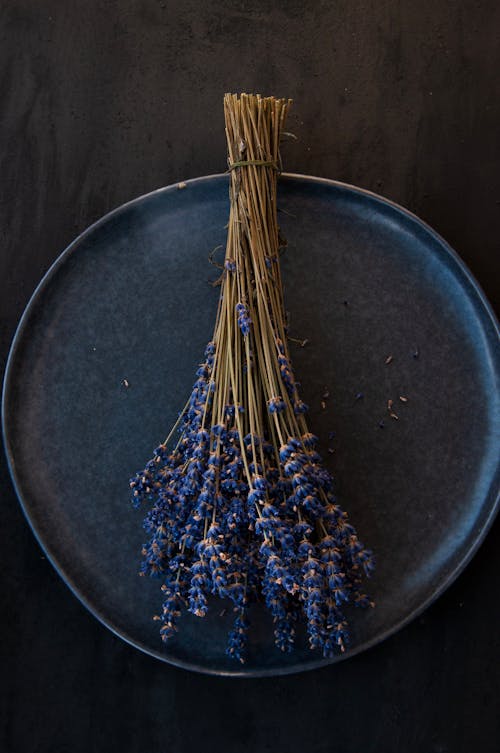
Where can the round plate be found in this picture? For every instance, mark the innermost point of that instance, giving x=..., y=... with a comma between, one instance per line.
x=130, y=300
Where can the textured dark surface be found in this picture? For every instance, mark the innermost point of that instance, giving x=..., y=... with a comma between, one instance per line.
x=362, y=279
x=104, y=101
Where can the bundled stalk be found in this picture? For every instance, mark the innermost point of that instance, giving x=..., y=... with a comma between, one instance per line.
x=239, y=503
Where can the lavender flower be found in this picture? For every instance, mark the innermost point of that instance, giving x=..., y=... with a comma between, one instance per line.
x=244, y=320
x=238, y=504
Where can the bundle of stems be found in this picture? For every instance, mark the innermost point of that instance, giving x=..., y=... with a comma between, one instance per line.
x=239, y=503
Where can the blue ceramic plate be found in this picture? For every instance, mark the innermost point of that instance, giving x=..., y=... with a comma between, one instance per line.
x=364, y=280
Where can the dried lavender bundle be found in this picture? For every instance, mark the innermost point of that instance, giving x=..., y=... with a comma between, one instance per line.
x=239, y=503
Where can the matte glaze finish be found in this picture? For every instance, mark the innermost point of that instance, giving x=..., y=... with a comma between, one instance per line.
x=364, y=279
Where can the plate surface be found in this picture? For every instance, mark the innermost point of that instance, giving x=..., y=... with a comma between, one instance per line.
x=364, y=279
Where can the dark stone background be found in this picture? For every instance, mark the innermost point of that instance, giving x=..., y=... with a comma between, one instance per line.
x=102, y=101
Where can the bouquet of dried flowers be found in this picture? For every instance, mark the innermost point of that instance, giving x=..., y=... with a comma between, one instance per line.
x=239, y=505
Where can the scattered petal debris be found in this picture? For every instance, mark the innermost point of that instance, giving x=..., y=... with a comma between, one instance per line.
x=381, y=424
x=181, y=185
x=125, y=383
x=416, y=353
x=331, y=450
x=390, y=404
x=302, y=343
x=403, y=399
x=389, y=359
x=323, y=404
x=394, y=416
x=359, y=396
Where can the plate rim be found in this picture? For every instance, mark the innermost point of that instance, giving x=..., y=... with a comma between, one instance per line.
x=485, y=312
